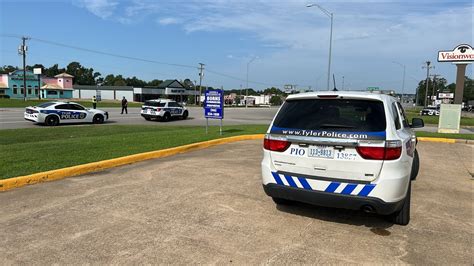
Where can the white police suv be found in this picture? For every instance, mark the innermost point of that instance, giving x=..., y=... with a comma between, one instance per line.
x=163, y=109
x=353, y=150
x=55, y=113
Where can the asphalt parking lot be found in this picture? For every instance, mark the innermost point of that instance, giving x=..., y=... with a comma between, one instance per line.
x=208, y=206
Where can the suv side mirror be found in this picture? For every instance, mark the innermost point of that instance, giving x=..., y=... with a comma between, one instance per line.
x=417, y=123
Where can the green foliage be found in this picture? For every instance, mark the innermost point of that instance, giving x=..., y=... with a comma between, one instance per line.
x=276, y=100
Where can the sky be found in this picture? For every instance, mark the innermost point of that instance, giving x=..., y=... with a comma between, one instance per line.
x=286, y=42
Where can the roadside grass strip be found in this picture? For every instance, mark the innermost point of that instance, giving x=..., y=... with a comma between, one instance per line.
x=52, y=175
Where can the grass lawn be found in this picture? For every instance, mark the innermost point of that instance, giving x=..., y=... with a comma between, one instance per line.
x=13, y=103
x=433, y=120
x=27, y=151
x=444, y=135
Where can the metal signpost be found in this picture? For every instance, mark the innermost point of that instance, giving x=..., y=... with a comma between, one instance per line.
x=37, y=71
x=214, y=106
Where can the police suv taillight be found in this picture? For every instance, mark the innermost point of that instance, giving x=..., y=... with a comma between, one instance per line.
x=391, y=151
x=279, y=145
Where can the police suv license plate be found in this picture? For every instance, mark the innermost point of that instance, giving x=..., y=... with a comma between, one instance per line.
x=321, y=152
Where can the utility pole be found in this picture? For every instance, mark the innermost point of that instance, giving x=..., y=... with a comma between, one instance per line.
x=428, y=67
x=435, y=76
x=195, y=100
x=22, y=51
x=201, y=74
x=342, y=82
x=247, y=88
x=240, y=95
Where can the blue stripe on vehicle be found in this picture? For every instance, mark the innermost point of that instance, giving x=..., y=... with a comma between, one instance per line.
x=332, y=187
x=366, y=190
x=277, y=178
x=304, y=183
x=290, y=181
x=348, y=189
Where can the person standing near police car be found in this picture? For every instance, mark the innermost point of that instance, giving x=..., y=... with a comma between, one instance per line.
x=124, y=105
x=94, y=102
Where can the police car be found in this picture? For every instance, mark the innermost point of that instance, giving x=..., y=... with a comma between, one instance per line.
x=353, y=150
x=55, y=113
x=163, y=109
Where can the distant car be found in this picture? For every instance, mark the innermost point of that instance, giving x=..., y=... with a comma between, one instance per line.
x=55, y=113
x=430, y=111
x=163, y=109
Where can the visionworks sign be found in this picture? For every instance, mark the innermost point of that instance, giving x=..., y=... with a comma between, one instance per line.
x=461, y=53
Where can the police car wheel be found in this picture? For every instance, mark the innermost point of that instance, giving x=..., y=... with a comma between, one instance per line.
x=98, y=119
x=402, y=217
x=51, y=121
x=281, y=201
x=166, y=117
x=415, y=166
x=147, y=118
x=185, y=115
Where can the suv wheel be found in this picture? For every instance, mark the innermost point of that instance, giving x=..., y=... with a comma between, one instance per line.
x=415, y=167
x=402, y=217
x=98, y=119
x=166, y=117
x=185, y=115
x=51, y=121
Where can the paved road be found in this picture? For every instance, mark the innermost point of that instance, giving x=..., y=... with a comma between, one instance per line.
x=163, y=211
x=13, y=117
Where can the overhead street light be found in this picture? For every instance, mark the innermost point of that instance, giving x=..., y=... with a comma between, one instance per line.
x=404, y=72
x=330, y=15
x=247, y=88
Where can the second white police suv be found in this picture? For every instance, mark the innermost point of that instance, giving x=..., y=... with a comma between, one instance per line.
x=163, y=109
x=353, y=150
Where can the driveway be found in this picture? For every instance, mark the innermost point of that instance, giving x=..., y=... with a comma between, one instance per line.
x=208, y=207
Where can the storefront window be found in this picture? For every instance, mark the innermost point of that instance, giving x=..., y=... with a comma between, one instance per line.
x=29, y=89
x=15, y=89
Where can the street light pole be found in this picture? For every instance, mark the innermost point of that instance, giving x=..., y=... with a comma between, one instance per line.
x=247, y=87
x=428, y=67
x=404, y=72
x=331, y=16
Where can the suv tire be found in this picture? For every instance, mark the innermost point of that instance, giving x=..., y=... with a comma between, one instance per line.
x=415, y=167
x=185, y=115
x=166, y=117
x=402, y=217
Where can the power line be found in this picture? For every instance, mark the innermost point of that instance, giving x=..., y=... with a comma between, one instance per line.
x=138, y=59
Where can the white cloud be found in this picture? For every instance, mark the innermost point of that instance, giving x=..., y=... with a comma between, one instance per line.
x=168, y=21
x=101, y=8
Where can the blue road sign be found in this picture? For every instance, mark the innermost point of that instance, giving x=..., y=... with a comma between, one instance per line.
x=214, y=104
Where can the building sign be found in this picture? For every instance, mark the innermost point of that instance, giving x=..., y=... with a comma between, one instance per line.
x=214, y=104
x=446, y=95
x=461, y=53
x=373, y=88
x=174, y=91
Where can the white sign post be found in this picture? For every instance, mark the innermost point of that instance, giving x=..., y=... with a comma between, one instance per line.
x=38, y=71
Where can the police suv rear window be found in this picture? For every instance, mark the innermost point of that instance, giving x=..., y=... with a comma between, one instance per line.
x=332, y=114
x=155, y=104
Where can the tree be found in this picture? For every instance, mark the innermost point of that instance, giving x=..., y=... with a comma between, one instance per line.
x=155, y=83
x=276, y=100
x=82, y=75
x=468, y=94
x=7, y=69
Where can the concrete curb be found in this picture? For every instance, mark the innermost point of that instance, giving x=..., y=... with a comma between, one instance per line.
x=445, y=140
x=21, y=181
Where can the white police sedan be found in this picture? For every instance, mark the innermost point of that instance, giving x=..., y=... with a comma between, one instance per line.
x=163, y=109
x=55, y=113
x=353, y=150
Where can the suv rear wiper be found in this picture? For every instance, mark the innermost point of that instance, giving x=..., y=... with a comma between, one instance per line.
x=335, y=126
